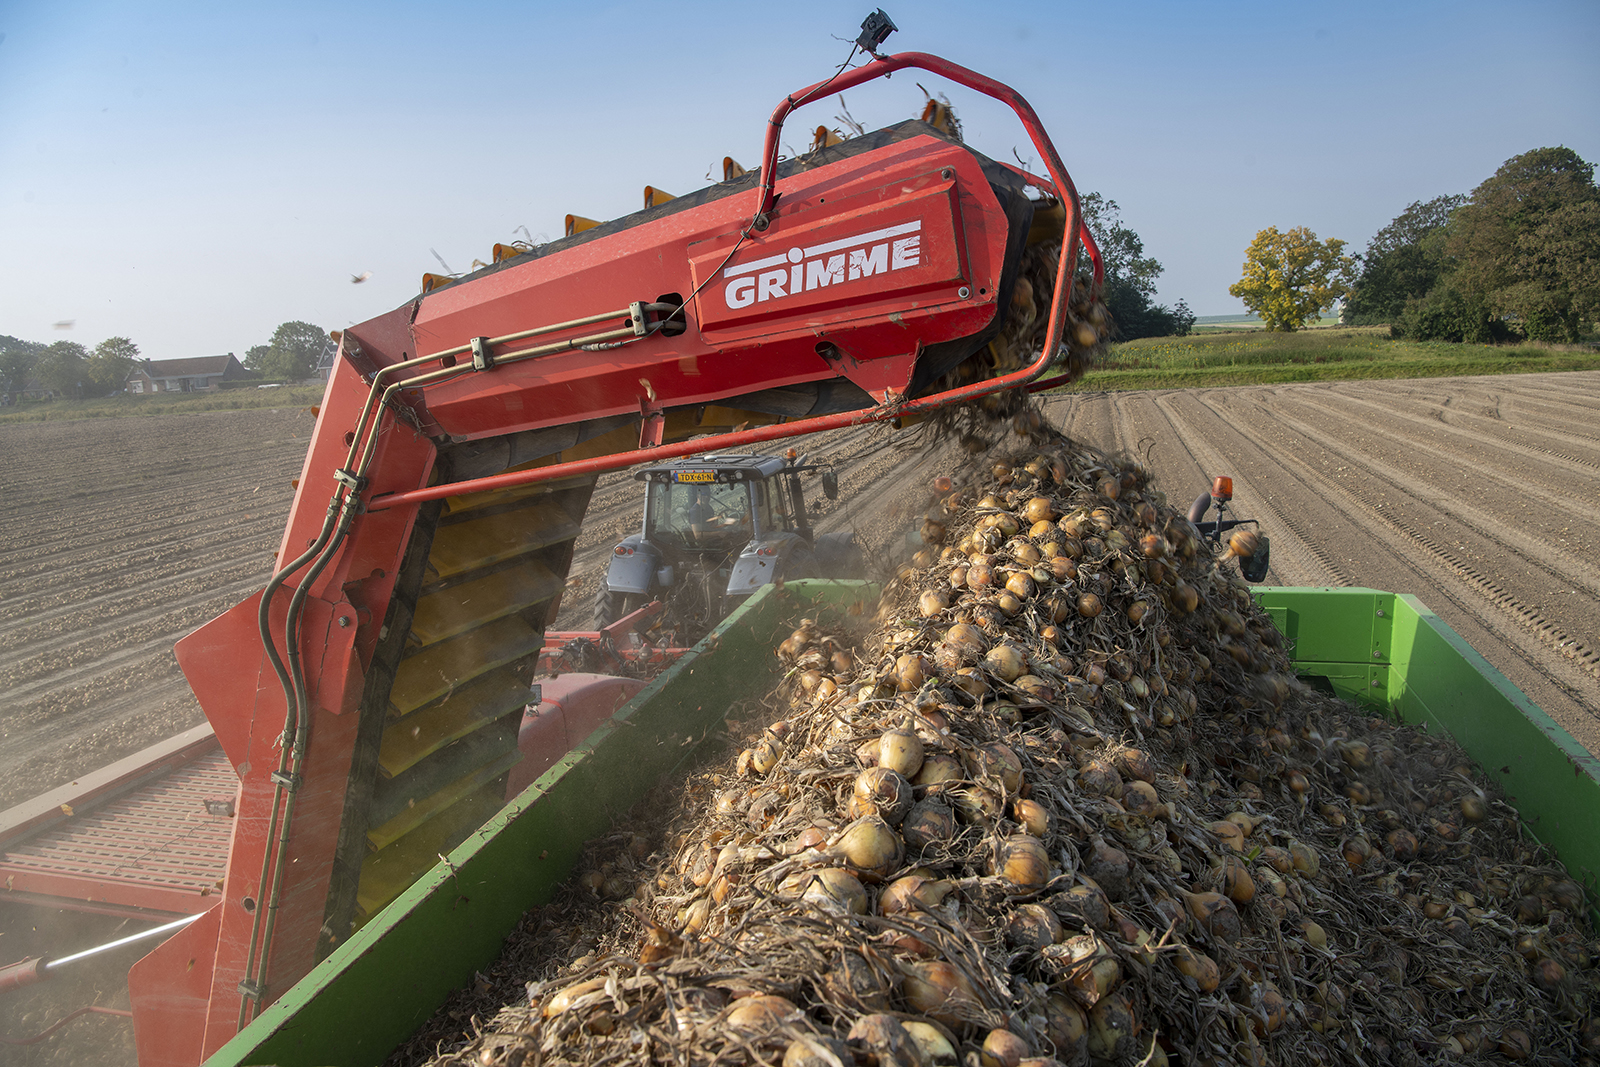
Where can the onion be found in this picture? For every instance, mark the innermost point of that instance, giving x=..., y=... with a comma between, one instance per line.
x=913, y=892
x=1215, y=914
x=1199, y=968
x=1112, y=1026
x=1033, y=926
x=1020, y=584
x=929, y=823
x=1184, y=597
x=832, y=889
x=935, y=1048
x=1315, y=935
x=881, y=791
x=1089, y=605
x=910, y=670
x=1087, y=902
x=940, y=769
x=997, y=760
x=870, y=847
x=1473, y=808
x=1039, y=509
x=1099, y=776
x=883, y=1042
x=564, y=1000
x=1006, y=661
x=1403, y=845
x=1066, y=1026
x=1109, y=867
x=759, y=1013
x=814, y=1050
x=1236, y=882
x=1032, y=817
x=1140, y=798
x=1357, y=851
x=932, y=602
x=971, y=682
x=901, y=751
x=1023, y=862
x=941, y=992
x=1002, y=1048
x=966, y=638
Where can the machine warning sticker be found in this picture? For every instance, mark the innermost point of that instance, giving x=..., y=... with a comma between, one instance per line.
x=696, y=476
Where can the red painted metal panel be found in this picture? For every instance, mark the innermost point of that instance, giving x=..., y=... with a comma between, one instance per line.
x=880, y=319
x=570, y=709
x=168, y=991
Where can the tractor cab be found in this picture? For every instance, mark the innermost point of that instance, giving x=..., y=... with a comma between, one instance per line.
x=716, y=528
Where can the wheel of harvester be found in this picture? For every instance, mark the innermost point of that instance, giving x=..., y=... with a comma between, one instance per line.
x=610, y=606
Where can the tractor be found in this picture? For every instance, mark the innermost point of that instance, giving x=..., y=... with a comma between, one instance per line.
x=716, y=528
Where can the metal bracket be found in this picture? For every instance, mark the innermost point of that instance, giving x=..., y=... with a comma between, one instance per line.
x=482, y=358
x=250, y=990
x=636, y=313
x=350, y=480
x=291, y=782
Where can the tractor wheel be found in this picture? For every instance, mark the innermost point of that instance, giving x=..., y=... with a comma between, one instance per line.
x=609, y=606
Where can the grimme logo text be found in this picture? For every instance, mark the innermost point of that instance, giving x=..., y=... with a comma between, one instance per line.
x=801, y=270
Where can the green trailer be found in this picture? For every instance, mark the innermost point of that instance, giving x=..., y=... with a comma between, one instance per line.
x=1383, y=650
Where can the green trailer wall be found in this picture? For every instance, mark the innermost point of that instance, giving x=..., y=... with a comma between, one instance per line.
x=1389, y=652
x=1383, y=650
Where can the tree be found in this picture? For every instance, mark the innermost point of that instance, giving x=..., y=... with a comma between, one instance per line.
x=1130, y=276
x=1291, y=278
x=110, y=363
x=293, y=354
x=17, y=358
x=1403, y=261
x=63, y=367
x=1528, y=244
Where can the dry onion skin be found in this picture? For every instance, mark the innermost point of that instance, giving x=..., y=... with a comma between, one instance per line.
x=1097, y=822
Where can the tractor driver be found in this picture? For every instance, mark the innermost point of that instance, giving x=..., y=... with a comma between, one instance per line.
x=698, y=512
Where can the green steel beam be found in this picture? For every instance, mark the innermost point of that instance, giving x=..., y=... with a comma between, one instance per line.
x=372, y=992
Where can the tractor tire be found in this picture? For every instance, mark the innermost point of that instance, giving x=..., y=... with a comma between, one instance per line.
x=609, y=606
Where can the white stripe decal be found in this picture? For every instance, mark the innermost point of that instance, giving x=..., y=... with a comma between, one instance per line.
x=756, y=264
x=866, y=238
x=832, y=246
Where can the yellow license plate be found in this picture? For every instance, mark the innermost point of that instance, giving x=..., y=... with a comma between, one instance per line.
x=697, y=476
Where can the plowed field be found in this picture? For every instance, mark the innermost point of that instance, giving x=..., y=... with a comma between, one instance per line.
x=1480, y=495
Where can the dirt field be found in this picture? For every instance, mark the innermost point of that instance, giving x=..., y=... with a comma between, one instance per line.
x=121, y=536
x=1480, y=495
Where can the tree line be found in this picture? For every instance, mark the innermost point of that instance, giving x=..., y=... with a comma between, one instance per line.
x=66, y=368
x=1519, y=258
x=70, y=370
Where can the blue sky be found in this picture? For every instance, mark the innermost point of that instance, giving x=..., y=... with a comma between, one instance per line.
x=190, y=175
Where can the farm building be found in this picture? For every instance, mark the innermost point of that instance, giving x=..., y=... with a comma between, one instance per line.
x=197, y=374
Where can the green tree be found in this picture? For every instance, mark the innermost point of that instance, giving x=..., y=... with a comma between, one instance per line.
x=1403, y=261
x=1130, y=276
x=296, y=350
x=1528, y=244
x=109, y=364
x=1291, y=278
x=255, y=358
x=63, y=367
x=17, y=358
